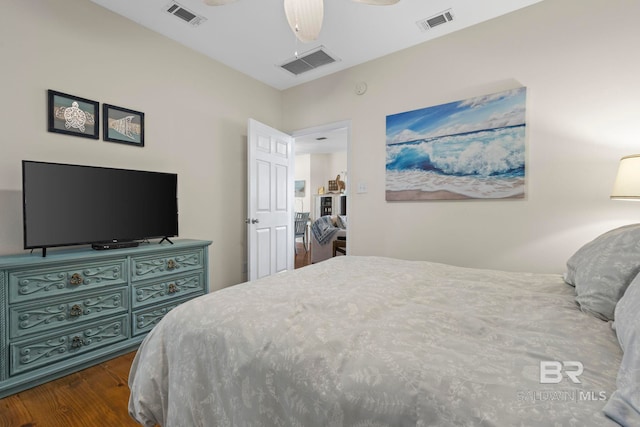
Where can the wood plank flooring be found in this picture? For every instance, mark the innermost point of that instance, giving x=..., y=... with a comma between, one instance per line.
x=302, y=258
x=96, y=396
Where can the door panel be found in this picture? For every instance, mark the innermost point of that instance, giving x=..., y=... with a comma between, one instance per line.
x=263, y=183
x=263, y=243
x=270, y=201
x=283, y=243
x=282, y=193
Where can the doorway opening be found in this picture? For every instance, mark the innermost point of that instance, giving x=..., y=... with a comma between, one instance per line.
x=322, y=187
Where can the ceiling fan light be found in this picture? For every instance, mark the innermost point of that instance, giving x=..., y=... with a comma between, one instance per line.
x=378, y=2
x=305, y=18
x=217, y=2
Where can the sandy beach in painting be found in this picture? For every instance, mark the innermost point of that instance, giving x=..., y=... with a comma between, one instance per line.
x=413, y=195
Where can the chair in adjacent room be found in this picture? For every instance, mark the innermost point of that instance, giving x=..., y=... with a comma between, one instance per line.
x=301, y=220
x=340, y=245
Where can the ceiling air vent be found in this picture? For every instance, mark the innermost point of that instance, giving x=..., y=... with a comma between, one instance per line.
x=308, y=61
x=176, y=9
x=435, y=20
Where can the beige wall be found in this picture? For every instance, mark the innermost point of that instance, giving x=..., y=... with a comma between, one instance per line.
x=303, y=172
x=324, y=167
x=576, y=57
x=578, y=60
x=316, y=170
x=338, y=165
x=196, y=113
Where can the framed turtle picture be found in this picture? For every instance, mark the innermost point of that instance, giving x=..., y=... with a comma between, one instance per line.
x=123, y=125
x=73, y=115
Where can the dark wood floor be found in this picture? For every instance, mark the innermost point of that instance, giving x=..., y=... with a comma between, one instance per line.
x=97, y=396
x=302, y=257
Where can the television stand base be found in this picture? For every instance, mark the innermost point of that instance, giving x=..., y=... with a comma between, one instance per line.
x=113, y=245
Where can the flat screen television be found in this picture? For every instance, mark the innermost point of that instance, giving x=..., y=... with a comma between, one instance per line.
x=66, y=205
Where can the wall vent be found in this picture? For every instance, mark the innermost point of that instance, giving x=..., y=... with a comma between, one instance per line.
x=186, y=15
x=308, y=61
x=435, y=20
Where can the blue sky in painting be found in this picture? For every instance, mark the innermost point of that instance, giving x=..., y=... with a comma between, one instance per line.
x=492, y=111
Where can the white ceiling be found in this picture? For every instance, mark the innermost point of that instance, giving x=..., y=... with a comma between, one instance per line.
x=253, y=36
x=333, y=140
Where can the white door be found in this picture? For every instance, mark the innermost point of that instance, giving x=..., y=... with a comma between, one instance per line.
x=270, y=230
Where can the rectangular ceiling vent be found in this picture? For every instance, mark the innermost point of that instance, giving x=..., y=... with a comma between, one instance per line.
x=309, y=61
x=176, y=9
x=435, y=20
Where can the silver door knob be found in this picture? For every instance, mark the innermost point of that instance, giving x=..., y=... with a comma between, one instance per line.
x=254, y=221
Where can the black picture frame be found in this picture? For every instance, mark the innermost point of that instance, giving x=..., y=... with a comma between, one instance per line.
x=122, y=125
x=72, y=115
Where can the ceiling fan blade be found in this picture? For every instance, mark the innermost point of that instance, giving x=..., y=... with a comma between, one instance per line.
x=217, y=2
x=378, y=2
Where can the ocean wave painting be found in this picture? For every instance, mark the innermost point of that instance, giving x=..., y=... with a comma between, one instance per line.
x=471, y=149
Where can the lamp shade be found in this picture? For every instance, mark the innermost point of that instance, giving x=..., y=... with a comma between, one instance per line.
x=627, y=184
x=305, y=18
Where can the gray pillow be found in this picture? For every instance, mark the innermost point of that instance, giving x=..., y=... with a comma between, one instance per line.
x=602, y=269
x=624, y=404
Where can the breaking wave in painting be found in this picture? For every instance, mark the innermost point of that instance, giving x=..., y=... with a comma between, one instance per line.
x=483, y=164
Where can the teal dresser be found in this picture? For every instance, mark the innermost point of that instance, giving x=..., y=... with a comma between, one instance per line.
x=78, y=307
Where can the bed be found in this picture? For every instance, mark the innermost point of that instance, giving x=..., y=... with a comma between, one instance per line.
x=373, y=341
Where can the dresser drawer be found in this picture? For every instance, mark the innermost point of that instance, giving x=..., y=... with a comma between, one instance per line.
x=77, y=307
x=26, y=285
x=40, y=316
x=145, y=319
x=63, y=346
x=150, y=267
x=166, y=290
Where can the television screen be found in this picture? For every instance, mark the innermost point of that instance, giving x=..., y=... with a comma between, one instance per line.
x=73, y=204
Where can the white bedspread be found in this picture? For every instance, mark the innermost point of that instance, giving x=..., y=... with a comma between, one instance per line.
x=369, y=341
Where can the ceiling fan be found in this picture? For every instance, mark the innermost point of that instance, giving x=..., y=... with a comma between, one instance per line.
x=305, y=16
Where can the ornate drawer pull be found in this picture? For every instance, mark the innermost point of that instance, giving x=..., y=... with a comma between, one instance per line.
x=77, y=342
x=173, y=288
x=75, y=311
x=76, y=279
x=171, y=264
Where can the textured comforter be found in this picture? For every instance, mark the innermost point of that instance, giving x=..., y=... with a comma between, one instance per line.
x=369, y=341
